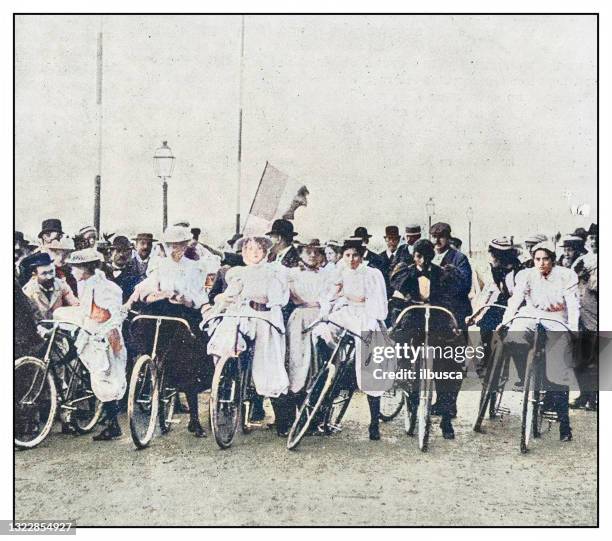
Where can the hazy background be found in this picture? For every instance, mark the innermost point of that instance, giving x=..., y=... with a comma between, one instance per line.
x=374, y=114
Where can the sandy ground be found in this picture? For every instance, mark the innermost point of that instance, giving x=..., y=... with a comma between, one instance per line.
x=344, y=479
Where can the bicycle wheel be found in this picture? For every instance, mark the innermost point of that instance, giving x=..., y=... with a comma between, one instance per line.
x=310, y=407
x=531, y=397
x=87, y=408
x=35, y=402
x=391, y=403
x=423, y=413
x=167, y=403
x=143, y=401
x=487, y=398
x=225, y=401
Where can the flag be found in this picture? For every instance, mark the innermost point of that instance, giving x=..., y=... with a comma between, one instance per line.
x=277, y=196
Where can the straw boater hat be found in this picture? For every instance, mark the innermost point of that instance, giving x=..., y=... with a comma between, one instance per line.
x=546, y=246
x=571, y=241
x=65, y=244
x=176, y=234
x=87, y=229
x=502, y=244
x=536, y=239
x=334, y=243
x=82, y=257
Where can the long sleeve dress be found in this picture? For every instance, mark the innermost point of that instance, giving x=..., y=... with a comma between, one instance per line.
x=307, y=288
x=359, y=303
x=252, y=301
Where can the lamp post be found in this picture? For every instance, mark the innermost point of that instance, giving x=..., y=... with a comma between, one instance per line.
x=470, y=216
x=163, y=161
x=430, y=206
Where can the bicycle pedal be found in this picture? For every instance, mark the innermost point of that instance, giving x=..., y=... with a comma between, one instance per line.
x=67, y=407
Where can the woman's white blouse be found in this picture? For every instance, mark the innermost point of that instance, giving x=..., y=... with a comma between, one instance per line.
x=185, y=277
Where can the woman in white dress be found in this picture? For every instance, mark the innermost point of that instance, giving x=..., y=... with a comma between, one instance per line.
x=103, y=351
x=307, y=286
x=252, y=303
x=358, y=297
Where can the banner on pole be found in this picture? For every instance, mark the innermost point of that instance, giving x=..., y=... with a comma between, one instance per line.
x=277, y=196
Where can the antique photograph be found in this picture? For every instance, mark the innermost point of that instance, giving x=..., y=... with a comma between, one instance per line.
x=305, y=270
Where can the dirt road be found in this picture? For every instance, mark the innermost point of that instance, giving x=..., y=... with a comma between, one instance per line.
x=345, y=479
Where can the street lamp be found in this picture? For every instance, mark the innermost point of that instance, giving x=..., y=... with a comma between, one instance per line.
x=431, y=210
x=164, y=165
x=470, y=216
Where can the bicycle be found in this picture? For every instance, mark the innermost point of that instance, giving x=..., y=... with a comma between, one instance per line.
x=233, y=390
x=58, y=379
x=533, y=405
x=418, y=416
x=330, y=391
x=151, y=398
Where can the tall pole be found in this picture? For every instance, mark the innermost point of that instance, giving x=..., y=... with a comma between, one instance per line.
x=239, y=165
x=98, y=180
x=165, y=203
x=429, y=230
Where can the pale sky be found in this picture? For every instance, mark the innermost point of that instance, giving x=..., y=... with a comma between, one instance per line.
x=374, y=114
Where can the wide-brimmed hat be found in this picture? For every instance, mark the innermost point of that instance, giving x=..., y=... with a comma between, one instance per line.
x=536, y=238
x=570, y=241
x=283, y=228
x=64, y=244
x=413, y=230
x=593, y=229
x=121, y=243
x=144, y=236
x=440, y=229
x=544, y=245
x=502, y=244
x=50, y=225
x=392, y=231
x=265, y=242
x=333, y=243
x=312, y=243
x=176, y=234
x=362, y=233
x=39, y=259
x=353, y=242
x=87, y=229
x=19, y=238
x=81, y=257
x=182, y=223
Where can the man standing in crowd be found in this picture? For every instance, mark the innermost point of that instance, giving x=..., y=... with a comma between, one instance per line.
x=282, y=250
x=45, y=291
x=372, y=259
x=87, y=236
x=121, y=270
x=586, y=267
x=388, y=256
x=573, y=248
x=143, y=244
x=51, y=229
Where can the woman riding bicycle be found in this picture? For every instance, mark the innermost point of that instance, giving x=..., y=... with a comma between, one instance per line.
x=549, y=291
x=103, y=351
x=175, y=288
x=357, y=301
x=250, y=310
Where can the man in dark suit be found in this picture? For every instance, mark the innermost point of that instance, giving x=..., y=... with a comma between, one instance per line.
x=282, y=250
x=388, y=256
x=455, y=284
x=371, y=258
x=121, y=270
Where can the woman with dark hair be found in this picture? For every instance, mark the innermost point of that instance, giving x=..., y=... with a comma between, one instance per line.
x=357, y=301
x=426, y=282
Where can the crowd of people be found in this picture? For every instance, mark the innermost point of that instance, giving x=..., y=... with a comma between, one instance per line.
x=280, y=286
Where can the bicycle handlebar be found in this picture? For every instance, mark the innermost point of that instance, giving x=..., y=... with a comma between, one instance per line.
x=538, y=319
x=221, y=316
x=427, y=307
x=55, y=323
x=318, y=321
x=485, y=306
x=165, y=318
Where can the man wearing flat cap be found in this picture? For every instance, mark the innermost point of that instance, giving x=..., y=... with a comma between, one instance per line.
x=372, y=259
x=45, y=291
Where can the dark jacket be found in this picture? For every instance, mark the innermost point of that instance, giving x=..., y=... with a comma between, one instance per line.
x=457, y=283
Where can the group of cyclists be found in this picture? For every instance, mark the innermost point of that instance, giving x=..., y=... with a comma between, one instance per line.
x=286, y=303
